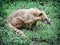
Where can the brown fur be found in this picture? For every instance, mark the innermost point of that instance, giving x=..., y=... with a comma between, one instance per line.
x=25, y=18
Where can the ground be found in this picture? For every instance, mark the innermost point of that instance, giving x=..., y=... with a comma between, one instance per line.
x=43, y=35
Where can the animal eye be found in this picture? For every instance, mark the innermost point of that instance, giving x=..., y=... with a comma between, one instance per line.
x=40, y=14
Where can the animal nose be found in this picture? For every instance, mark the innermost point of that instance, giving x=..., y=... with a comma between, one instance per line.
x=47, y=21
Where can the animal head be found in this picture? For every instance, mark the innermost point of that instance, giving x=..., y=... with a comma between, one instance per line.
x=40, y=15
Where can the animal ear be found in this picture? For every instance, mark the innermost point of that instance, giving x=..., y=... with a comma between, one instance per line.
x=32, y=11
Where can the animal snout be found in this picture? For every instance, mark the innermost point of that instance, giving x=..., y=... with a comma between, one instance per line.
x=47, y=21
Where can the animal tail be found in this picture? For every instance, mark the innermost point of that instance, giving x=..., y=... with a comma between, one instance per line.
x=16, y=30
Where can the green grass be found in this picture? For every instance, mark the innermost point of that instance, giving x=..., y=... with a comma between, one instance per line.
x=43, y=31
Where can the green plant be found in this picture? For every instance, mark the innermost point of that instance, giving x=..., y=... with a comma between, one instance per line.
x=46, y=34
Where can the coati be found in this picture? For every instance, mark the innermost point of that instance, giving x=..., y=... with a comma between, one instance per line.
x=26, y=18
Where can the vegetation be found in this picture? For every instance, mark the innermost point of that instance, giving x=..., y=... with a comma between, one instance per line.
x=43, y=35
